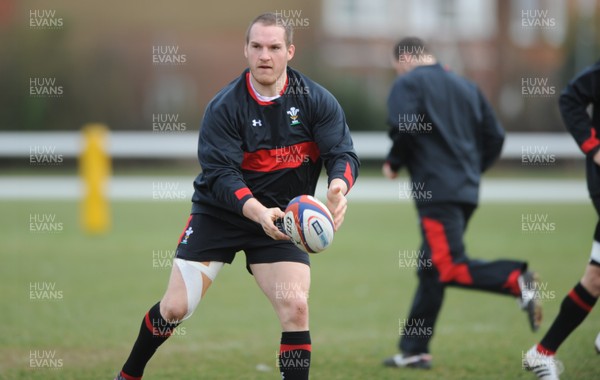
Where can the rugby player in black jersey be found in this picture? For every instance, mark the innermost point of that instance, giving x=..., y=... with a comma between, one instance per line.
x=264, y=139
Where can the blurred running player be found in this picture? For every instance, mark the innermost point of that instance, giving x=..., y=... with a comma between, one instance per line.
x=264, y=139
x=445, y=132
x=580, y=93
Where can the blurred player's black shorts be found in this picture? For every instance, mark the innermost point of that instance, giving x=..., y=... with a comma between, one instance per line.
x=209, y=238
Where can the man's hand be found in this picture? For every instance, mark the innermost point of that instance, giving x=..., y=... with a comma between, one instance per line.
x=597, y=157
x=254, y=210
x=387, y=171
x=337, y=202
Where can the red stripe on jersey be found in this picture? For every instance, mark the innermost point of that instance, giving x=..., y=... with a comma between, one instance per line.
x=348, y=176
x=289, y=157
x=292, y=347
x=241, y=193
x=591, y=142
x=185, y=228
x=254, y=95
x=581, y=303
x=440, y=254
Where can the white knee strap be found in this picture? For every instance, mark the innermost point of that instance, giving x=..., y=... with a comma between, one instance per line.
x=595, y=254
x=192, y=271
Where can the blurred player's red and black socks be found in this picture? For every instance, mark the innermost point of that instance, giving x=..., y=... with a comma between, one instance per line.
x=573, y=310
x=294, y=355
x=155, y=330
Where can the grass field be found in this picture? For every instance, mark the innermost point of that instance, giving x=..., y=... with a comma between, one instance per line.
x=102, y=286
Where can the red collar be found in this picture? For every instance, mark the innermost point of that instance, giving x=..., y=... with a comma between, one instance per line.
x=255, y=97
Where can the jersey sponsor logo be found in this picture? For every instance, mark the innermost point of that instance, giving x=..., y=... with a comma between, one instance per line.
x=256, y=123
x=288, y=157
x=293, y=112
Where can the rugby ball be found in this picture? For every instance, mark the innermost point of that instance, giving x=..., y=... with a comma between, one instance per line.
x=308, y=223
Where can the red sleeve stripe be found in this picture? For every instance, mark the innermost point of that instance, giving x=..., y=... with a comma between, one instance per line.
x=241, y=193
x=348, y=176
x=292, y=347
x=591, y=142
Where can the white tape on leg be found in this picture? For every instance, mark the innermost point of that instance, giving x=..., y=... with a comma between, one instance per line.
x=192, y=271
x=595, y=255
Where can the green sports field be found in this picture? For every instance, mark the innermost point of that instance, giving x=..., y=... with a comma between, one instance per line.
x=72, y=304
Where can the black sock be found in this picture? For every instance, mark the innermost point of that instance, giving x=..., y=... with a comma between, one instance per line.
x=294, y=355
x=573, y=310
x=155, y=330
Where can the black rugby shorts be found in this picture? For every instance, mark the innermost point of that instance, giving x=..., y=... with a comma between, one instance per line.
x=209, y=238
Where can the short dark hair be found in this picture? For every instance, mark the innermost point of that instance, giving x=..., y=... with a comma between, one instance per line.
x=269, y=19
x=411, y=46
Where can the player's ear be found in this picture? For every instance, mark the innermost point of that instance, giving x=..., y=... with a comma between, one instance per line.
x=290, y=52
x=399, y=66
x=246, y=51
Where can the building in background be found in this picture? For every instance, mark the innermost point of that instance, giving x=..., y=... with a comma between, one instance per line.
x=520, y=52
x=129, y=64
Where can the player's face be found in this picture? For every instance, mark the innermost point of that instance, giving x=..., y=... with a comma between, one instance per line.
x=267, y=53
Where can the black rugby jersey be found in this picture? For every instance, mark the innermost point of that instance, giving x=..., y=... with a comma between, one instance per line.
x=574, y=101
x=445, y=132
x=272, y=151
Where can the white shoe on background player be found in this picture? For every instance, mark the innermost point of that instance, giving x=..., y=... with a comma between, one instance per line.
x=545, y=367
x=597, y=343
x=420, y=361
